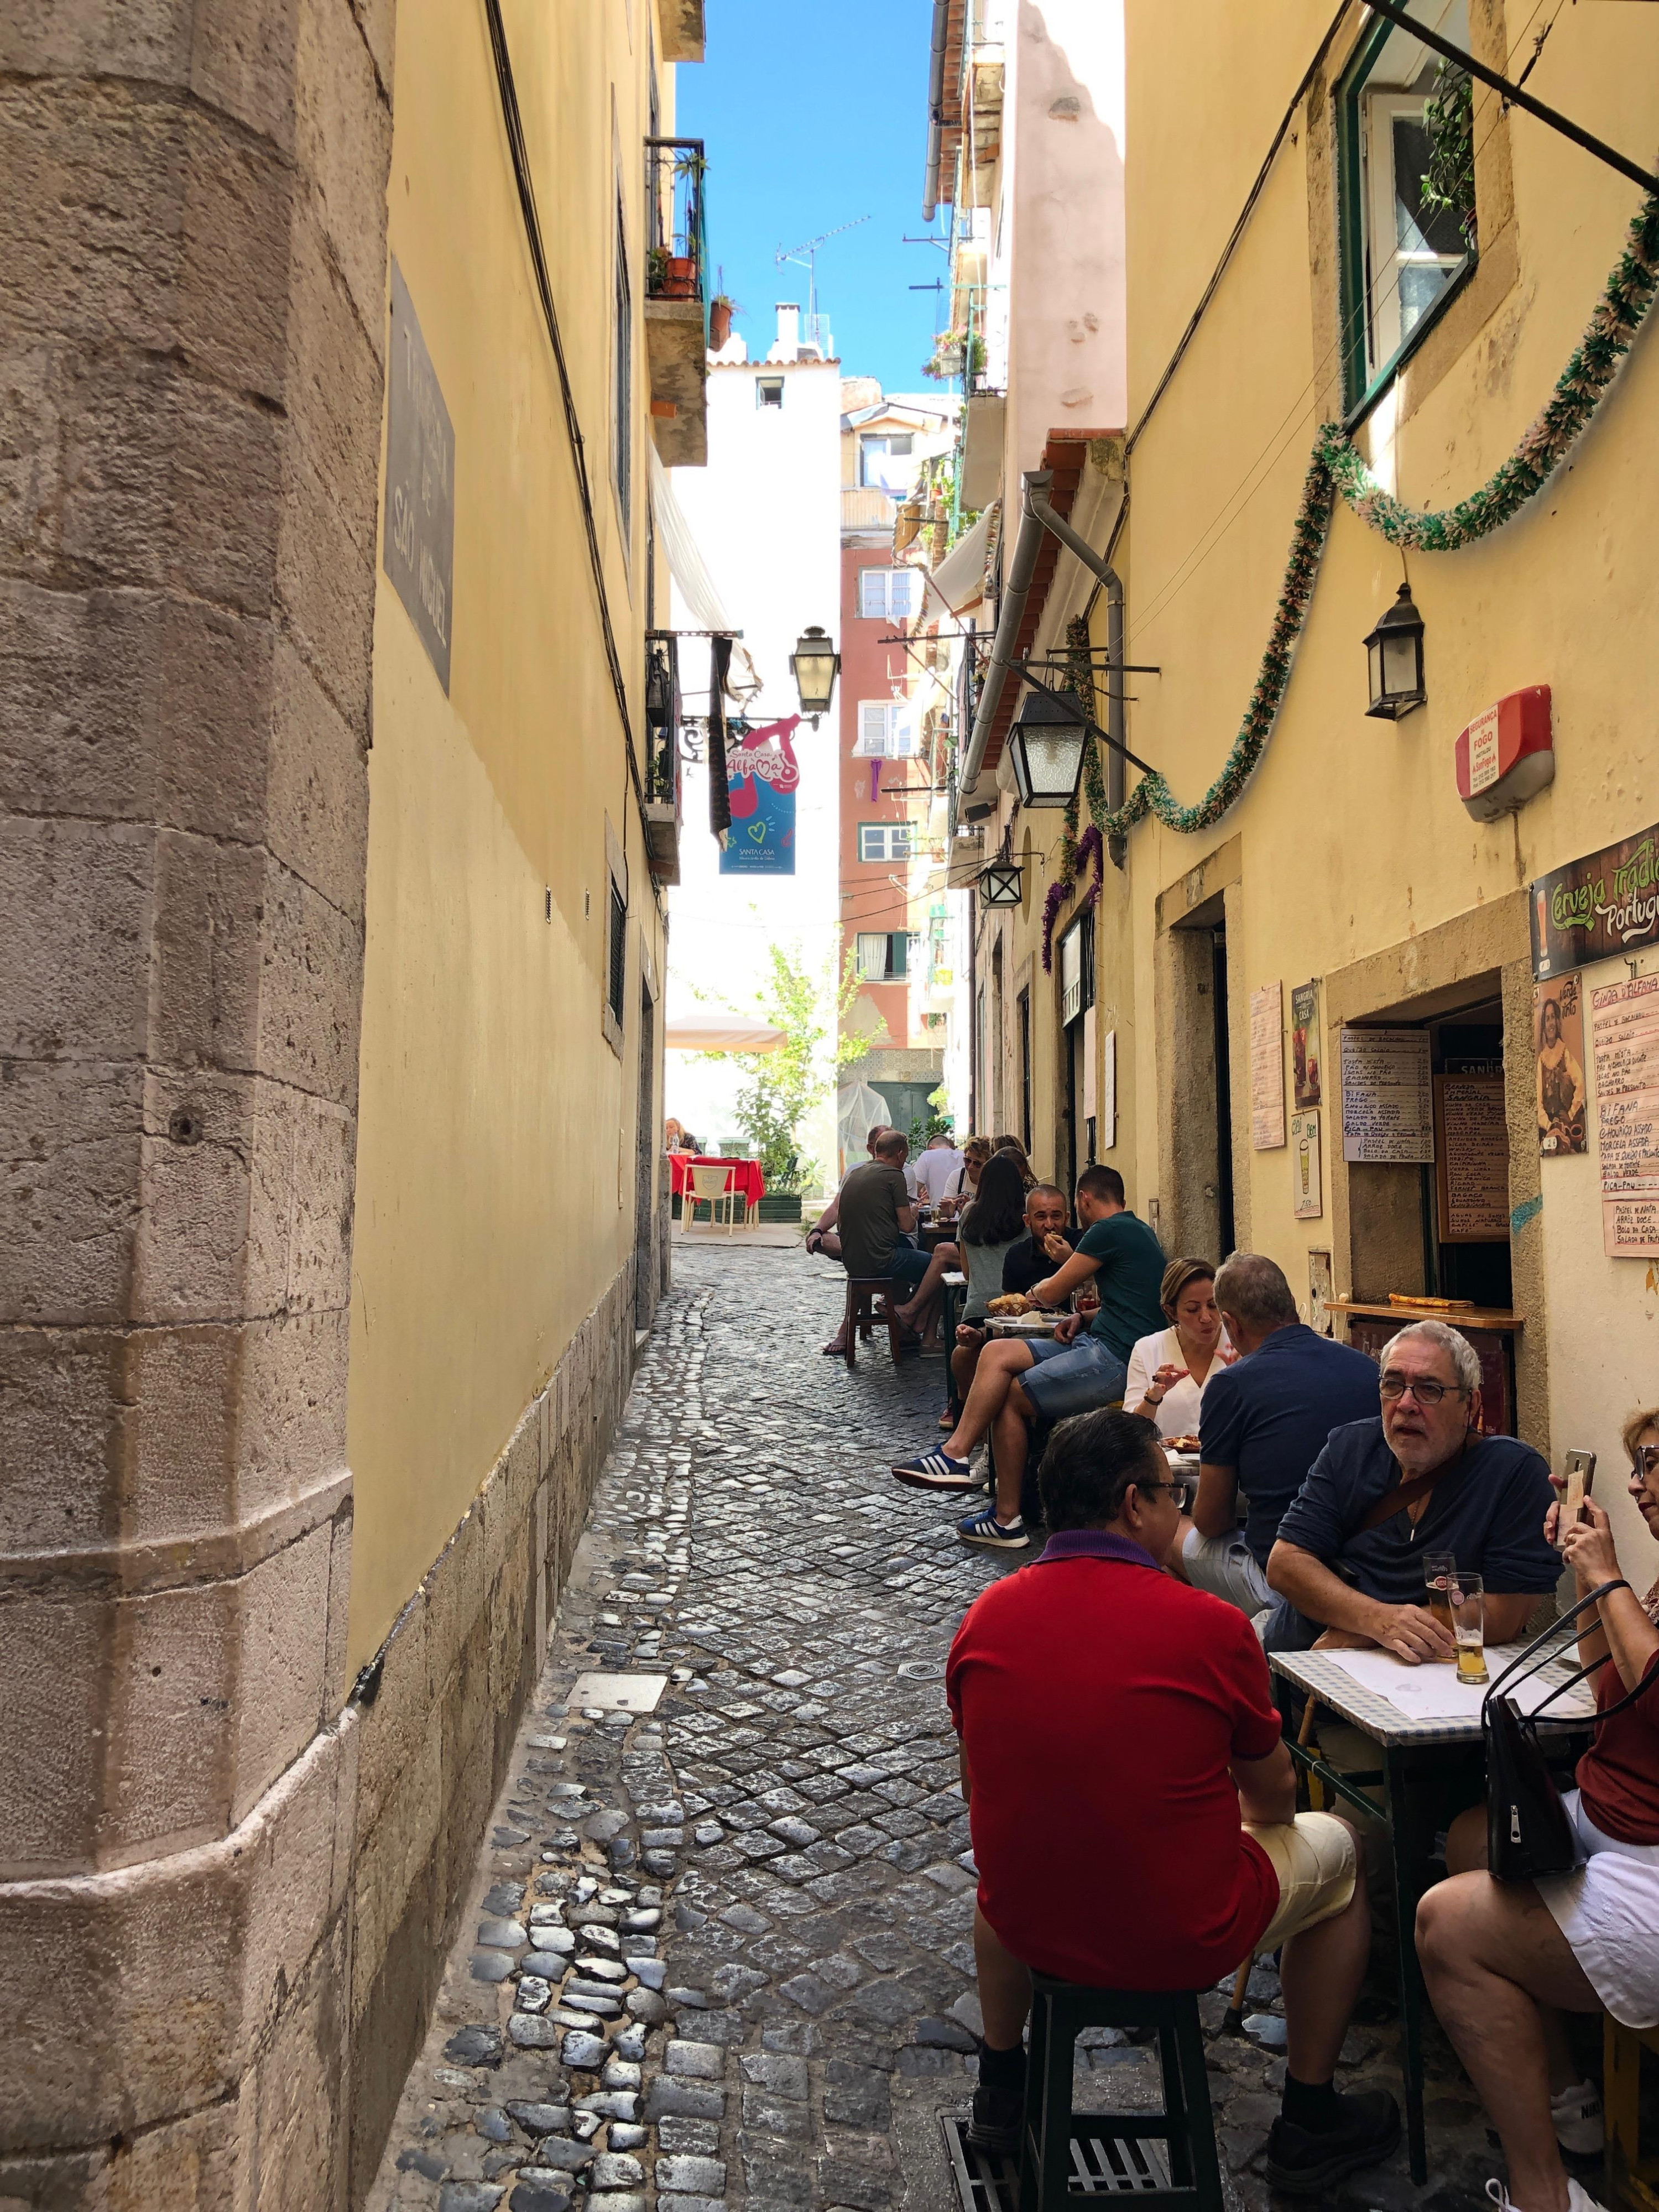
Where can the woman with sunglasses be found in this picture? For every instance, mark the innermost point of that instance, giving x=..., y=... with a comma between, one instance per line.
x=1503, y=1960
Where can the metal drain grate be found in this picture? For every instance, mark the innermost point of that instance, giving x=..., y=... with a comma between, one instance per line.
x=1101, y=2165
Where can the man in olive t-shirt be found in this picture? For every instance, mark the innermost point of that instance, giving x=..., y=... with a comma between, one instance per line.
x=875, y=1216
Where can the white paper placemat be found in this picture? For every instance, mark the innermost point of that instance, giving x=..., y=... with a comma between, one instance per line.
x=1432, y=1692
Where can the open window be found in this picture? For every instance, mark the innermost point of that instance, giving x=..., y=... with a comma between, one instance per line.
x=769, y=391
x=884, y=955
x=1407, y=150
x=887, y=460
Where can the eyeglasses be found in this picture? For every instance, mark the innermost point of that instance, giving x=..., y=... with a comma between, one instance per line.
x=1427, y=1394
x=1176, y=1489
x=1644, y=1459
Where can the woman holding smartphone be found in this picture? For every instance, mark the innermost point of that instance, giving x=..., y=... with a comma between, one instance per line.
x=1503, y=1960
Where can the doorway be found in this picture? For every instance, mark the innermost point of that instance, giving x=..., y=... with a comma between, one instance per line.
x=1196, y=1147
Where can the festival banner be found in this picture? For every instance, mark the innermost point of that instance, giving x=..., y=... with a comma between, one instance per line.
x=760, y=765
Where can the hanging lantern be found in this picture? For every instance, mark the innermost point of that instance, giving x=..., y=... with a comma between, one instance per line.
x=1045, y=747
x=999, y=882
x=1393, y=653
x=815, y=663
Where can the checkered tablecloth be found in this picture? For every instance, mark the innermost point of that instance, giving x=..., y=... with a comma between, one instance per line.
x=1334, y=1686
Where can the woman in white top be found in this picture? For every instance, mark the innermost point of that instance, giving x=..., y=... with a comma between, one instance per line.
x=1168, y=1370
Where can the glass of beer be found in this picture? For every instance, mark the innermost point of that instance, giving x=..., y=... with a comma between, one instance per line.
x=1438, y=1569
x=1467, y=1595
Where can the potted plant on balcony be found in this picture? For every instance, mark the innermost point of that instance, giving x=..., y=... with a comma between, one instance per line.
x=721, y=308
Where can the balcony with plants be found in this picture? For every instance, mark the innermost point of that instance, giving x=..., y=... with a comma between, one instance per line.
x=678, y=298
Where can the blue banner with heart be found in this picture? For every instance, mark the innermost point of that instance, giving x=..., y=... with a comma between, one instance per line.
x=761, y=767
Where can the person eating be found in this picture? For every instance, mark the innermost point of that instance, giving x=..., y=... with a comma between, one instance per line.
x=1171, y=1370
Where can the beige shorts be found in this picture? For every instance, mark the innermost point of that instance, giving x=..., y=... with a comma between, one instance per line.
x=1314, y=1859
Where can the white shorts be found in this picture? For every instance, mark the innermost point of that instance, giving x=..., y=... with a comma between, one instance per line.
x=1314, y=1859
x=1226, y=1567
x=1608, y=1910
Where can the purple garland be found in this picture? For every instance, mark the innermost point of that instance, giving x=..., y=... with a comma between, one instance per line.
x=1090, y=846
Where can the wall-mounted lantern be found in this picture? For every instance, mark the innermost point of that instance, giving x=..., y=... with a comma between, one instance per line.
x=815, y=665
x=999, y=882
x=1045, y=747
x=1394, y=653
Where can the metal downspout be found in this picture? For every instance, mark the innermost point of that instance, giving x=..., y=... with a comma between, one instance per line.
x=935, y=107
x=1010, y=615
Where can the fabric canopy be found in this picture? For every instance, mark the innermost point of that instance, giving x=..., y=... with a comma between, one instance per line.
x=691, y=572
x=959, y=579
x=720, y=1033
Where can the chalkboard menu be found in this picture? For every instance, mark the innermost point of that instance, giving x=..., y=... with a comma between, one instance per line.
x=1388, y=1105
x=1625, y=1039
x=1472, y=1157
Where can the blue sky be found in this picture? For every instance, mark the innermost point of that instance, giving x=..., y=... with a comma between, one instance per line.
x=815, y=114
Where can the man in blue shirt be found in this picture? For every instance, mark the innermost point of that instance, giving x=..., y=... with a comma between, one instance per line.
x=1264, y=1422
x=1422, y=1479
x=1020, y=1381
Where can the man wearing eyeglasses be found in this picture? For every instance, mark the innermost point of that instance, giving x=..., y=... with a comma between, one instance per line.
x=1421, y=1478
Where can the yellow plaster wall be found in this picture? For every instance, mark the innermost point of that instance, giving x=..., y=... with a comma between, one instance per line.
x=495, y=1154
x=1354, y=838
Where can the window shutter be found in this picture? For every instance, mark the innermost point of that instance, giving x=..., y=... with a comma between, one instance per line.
x=907, y=593
x=896, y=945
x=902, y=730
x=873, y=593
x=873, y=718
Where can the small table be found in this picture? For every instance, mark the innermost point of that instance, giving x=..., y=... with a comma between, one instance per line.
x=952, y=1284
x=1412, y=1751
x=748, y=1182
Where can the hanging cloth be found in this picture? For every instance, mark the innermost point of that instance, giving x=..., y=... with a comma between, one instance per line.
x=719, y=781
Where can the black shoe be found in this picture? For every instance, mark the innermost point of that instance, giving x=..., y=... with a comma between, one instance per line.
x=995, y=2122
x=1305, y=2165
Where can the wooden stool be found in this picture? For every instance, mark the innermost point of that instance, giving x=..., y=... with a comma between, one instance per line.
x=1108, y=2153
x=1632, y=2180
x=862, y=1290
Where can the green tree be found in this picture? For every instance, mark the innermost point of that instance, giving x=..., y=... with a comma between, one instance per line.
x=781, y=1088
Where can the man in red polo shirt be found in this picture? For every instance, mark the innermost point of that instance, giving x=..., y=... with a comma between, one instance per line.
x=1134, y=1806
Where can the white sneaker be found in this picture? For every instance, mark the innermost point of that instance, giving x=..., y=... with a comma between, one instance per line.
x=1578, y=2199
x=1576, y=2113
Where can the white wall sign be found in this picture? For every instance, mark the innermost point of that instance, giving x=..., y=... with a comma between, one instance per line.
x=1106, y=1124
x=1267, y=1068
x=1307, y=1198
x=1388, y=1101
x=1625, y=1038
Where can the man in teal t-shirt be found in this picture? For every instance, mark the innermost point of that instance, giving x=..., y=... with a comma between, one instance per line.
x=1022, y=1379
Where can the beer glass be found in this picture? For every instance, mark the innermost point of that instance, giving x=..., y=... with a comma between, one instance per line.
x=1438, y=1569
x=1469, y=1612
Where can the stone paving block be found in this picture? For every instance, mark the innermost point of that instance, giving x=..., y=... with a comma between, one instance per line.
x=704, y=2177
x=701, y=2061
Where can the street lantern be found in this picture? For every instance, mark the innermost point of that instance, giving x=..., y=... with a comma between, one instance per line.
x=815, y=663
x=1046, y=748
x=999, y=882
x=1393, y=653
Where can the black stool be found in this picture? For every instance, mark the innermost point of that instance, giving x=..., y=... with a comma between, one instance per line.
x=1108, y=2153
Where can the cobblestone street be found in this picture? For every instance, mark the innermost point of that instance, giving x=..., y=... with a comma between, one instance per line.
x=720, y=1954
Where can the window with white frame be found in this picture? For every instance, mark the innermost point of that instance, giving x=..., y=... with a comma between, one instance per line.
x=887, y=730
x=887, y=460
x=886, y=840
x=1407, y=174
x=889, y=594
x=884, y=956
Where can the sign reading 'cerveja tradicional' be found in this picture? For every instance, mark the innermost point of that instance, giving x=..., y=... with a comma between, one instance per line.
x=419, y=532
x=1601, y=905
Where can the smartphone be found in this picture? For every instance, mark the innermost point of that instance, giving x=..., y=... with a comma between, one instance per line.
x=1581, y=1473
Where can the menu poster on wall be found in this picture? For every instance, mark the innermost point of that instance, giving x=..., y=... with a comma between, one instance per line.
x=1558, y=1036
x=1605, y=903
x=1471, y=1159
x=1388, y=1105
x=1106, y=1127
x=1267, y=1068
x=1625, y=1038
x=1307, y=1199
x=1305, y=1042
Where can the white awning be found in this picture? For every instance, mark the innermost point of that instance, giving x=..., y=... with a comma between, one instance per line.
x=959, y=579
x=720, y=1033
x=691, y=572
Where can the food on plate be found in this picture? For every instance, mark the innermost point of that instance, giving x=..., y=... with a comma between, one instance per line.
x=1180, y=1444
x=1011, y=1303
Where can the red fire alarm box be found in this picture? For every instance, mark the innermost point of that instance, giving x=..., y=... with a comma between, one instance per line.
x=1507, y=754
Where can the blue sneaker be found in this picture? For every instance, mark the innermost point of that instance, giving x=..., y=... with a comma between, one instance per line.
x=935, y=1470
x=996, y=1535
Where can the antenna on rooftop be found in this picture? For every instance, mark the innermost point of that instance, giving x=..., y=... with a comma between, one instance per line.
x=805, y=256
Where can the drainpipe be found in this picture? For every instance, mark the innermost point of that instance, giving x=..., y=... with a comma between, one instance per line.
x=1010, y=615
x=935, y=108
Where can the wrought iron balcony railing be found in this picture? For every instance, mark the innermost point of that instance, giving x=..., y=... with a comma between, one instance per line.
x=676, y=227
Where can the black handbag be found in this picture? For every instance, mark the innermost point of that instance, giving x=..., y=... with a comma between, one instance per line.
x=1528, y=1836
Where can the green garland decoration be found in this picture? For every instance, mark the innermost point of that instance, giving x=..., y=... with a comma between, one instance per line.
x=1336, y=468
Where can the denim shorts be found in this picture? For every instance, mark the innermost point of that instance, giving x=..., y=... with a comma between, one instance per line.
x=1073, y=1378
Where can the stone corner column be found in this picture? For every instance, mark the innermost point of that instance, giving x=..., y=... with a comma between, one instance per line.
x=191, y=354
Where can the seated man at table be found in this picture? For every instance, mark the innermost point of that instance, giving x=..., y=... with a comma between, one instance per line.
x=1132, y=1804
x=1349, y=1557
x=876, y=1216
x=1263, y=1423
x=938, y=1162
x=1032, y=1259
x=1023, y=1380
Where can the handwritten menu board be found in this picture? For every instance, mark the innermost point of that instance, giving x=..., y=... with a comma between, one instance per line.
x=1267, y=1068
x=1473, y=1158
x=1388, y=1104
x=1625, y=1039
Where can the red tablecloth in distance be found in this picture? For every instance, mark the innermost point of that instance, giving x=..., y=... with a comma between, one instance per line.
x=748, y=1181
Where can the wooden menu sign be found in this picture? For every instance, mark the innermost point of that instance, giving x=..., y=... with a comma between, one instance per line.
x=1267, y=1068
x=1471, y=1159
x=1387, y=1112
x=1625, y=1039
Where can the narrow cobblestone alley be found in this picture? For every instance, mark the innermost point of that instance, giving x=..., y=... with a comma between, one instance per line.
x=720, y=1954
